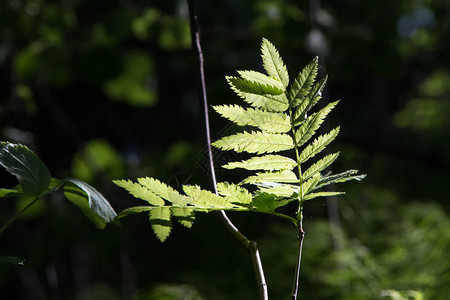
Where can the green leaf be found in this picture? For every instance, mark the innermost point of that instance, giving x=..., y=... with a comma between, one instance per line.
x=309, y=101
x=255, y=142
x=264, y=202
x=268, y=162
x=281, y=176
x=316, y=93
x=253, y=87
x=322, y=194
x=261, y=78
x=273, y=64
x=303, y=83
x=310, y=126
x=185, y=215
x=309, y=185
x=234, y=193
x=27, y=167
x=160, y=221
x=139, y=191
x=17, y=191
x=268, y=121
x=78, y=197
x=268, y=202
x=164, y=191
x=205, y=199
x=318, y=145
x=341, y=177
x=90, y=201
x=266, y=101
x=320, y=165
x=278, y=189
x=134, y=210
x=13, y=260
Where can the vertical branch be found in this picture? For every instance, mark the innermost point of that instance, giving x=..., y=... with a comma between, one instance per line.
x=301, y=235
x=195, y=38
x=248, y=245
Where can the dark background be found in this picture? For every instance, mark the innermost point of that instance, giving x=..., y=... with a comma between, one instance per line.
x=105, y=90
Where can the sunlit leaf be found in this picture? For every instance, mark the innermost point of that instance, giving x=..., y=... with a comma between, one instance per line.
x=160, y=221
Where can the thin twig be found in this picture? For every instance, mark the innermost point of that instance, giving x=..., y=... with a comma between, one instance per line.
x=13, y=218
x=301, y=235
x=248, y=245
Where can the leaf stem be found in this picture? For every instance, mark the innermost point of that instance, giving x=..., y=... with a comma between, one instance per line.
x=13, y=218
x=300, y=237
x=250, y=246
x=271, y=213
x=301, y=233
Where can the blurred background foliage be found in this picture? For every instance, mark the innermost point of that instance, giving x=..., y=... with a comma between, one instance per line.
x=107, y=89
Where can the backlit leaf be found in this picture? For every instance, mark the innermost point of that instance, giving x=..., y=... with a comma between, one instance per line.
x=160, y=221
x=268, y=162
x=303, y=83
x=281, y=176
x=268, y=121
x=234, y=193
x=255, y=142
x=318, y=145
x=273, y=64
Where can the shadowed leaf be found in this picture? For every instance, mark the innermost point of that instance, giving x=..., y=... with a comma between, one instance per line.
x=27, y=167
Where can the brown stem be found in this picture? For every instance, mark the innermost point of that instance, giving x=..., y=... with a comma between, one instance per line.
x=248, y=245
x=301, y=235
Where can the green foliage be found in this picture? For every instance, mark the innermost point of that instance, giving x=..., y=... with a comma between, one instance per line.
x=35, y=180
x=33, y=176
x=90, y=201
x=278, y=122
x=301, y=96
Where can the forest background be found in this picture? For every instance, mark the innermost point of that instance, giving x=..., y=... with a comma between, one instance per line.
x=106, y=90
